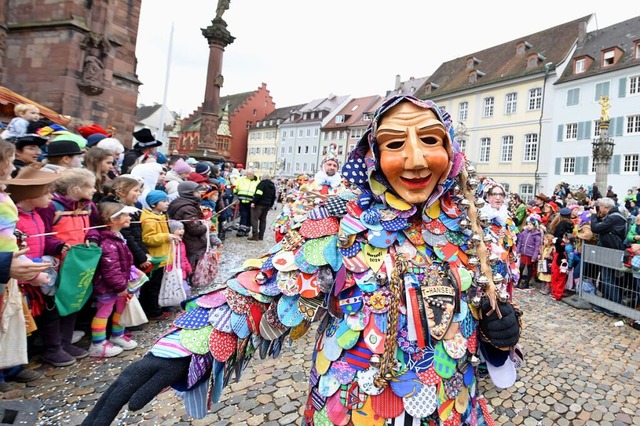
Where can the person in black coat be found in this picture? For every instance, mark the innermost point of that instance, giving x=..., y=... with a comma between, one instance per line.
x=263, y=199
x=187, y=208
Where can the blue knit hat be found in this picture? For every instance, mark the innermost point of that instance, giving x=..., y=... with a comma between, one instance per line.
x=155, y=196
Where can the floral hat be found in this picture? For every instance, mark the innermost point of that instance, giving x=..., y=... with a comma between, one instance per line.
x=363, y=165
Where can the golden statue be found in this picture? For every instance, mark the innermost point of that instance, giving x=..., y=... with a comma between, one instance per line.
x=604, y=103
x=222, y=6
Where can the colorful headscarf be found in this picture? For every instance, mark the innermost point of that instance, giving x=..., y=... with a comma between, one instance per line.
x=363, y=165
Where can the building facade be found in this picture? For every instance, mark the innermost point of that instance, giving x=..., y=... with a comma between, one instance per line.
x=75, y=57
x=605, y=63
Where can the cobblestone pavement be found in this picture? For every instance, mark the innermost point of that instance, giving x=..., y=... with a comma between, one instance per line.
x=580, y=370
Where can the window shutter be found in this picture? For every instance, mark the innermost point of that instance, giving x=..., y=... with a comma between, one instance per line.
x=585, y=165
x=619, y=125
x=581, y=130
x=587, y=130
x=579, y=165
x=622, y=87
x=560, y=131
x=616, y=164
x=558, y=165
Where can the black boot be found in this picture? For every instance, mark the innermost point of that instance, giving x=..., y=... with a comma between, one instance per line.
x=52, y=340
x=67, y=325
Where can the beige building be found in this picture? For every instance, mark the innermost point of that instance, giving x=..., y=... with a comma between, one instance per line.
x=496, y=98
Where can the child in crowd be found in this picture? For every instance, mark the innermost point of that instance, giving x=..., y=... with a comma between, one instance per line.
x=528, y=247
x=12, y=318
x=17, y=127
x=31, y=190
x=126, y=190
x=68, y=219
x=100, y=162
x=177, y=229
x=571, y=255
x=157, y=238
x=548, y=250
x=110, y=283
x=187, y=208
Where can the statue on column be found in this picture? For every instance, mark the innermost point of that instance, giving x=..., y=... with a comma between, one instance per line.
x=222, y=6
x=604, y=113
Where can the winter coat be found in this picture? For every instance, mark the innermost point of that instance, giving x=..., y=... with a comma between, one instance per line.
x=114, y=268
x=195, y=232
x=171, y=182
x=129, y=160
x=631, y=235
x=8, y=245
x=563, y=227
x=529, y=243
x=184, y=262
x=67, y=218
x=30, y=223
x=611, y=229
x=265, y=194
x=133, y=235
x=155, y=234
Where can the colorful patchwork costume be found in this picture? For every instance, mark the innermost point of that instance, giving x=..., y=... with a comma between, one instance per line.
x=407, y=300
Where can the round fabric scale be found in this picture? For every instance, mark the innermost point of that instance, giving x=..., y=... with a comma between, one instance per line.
x=430, y=377
x=222, y=345
x=387, y=404
x=197, y=341
x=365, y=379
x=342, y=371
x=456, y=347
x=444, y=365
x=406, y=384
x=423, y=403
x=328, y=384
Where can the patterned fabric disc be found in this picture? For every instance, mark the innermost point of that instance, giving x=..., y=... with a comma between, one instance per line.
x=365, y=379
x=444, y=365
x=197, y=341
x=222, y=345
x=288, y=312
x=194, y=319
x=423, y=403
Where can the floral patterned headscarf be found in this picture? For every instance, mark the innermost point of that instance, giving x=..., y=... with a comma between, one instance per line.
x=363, y=165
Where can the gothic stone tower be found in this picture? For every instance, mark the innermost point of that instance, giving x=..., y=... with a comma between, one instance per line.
x=74, y=56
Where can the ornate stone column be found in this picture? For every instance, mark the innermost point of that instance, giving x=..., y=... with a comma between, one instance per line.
x=218, y=37
x=603, y=146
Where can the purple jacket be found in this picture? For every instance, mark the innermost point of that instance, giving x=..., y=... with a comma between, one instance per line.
x=112, y=273
x=529, y=243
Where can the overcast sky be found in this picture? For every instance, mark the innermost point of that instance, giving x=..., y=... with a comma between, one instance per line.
x=306, y=49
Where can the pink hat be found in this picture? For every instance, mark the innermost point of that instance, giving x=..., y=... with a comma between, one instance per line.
x=182, y=167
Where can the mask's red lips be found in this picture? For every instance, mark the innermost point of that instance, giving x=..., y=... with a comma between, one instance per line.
x=416, y=183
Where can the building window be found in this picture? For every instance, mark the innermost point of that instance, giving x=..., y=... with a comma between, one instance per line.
x=630, y=163
x=593, y=166
x=530, y=147
x=511, y=103
x=282, y=151
x=340, y=150
x=634, y=85
x=463, y=145
x=535, y=99
x=571, y=132
x=633, y=124
x=573, y=97
x=485, y=150
x=487, y=110
x=636, y=49
x=608, y=58
x=316, y=132
x=290, y=150
x=299, y=150
x=313, y=115
x=463, y=111
x=339, y=119
x=290, y=133
x=308, y=132
x=568, y=165
x=306, y=149
x=333, y=136
x=526, y=192
x=506, y=151
x=297, y=167
x=596, y=128
x=580, y=63
x=315, y=149
x=304, y=167
x=300, y=133
x=506, y=187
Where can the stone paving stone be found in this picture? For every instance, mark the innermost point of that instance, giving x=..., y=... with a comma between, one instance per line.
x=579, y=370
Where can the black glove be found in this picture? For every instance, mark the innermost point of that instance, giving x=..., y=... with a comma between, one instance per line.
x=138, y=384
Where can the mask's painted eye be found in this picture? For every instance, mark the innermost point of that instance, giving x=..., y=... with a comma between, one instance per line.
x=395, y=145
x=429, y=140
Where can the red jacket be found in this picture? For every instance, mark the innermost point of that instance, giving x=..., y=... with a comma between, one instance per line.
x=114, y=268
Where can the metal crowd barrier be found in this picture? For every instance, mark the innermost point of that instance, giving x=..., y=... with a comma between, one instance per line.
x=605, y=282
